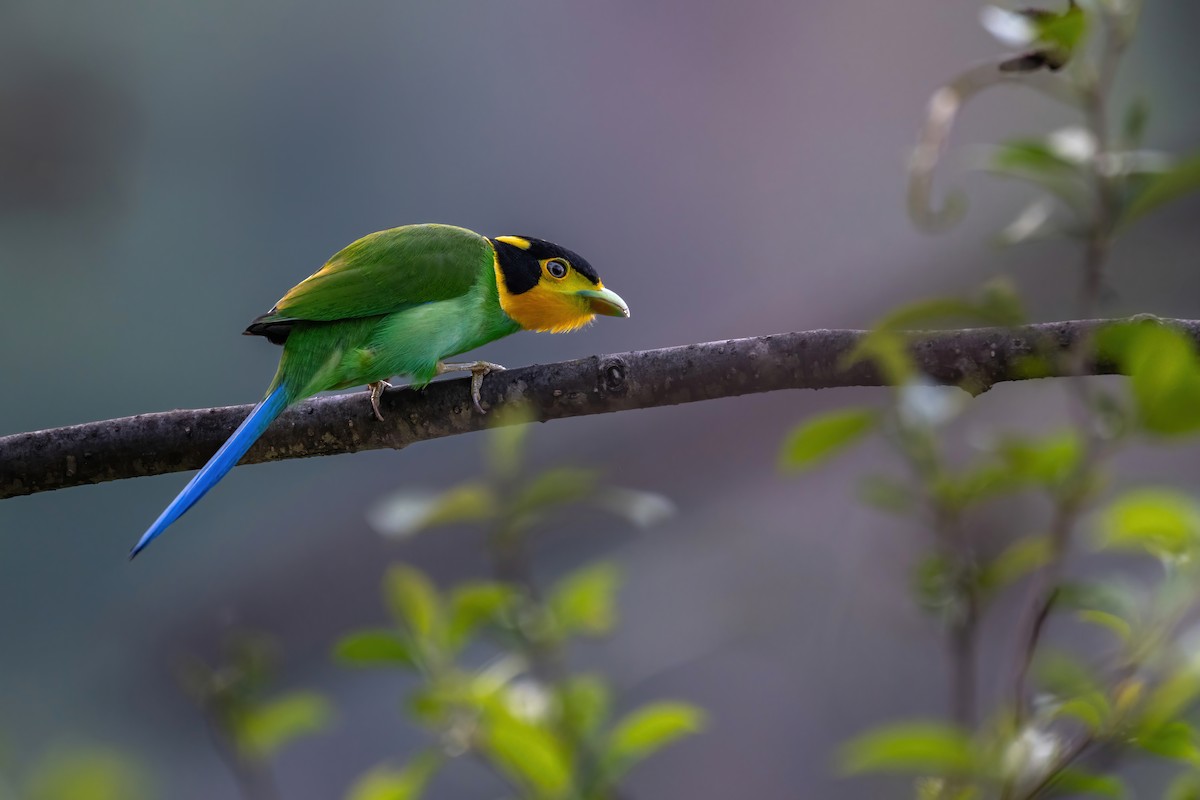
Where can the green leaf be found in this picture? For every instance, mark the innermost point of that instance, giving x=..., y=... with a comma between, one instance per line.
x=506, y=440
x=1049, y=461
x=92, y=774
x=1169, y=700
x=821, y=437
x=555, y=487
x=1092, y=709
x=1064, y=676
x=1133, y=126
x=1035, y=161
x=1164, y=373
x=914, y=747
x=1112, y=622
x=649, y=729
x=262, y=731
x=584, y=601
x=934, y=585
x=412, y=599
x=374, y=648
x=1184, y=787
x=888, y=351
x=1160, y=522
x=1174, y=740
x=1074, y=781
x=1015, y=562
x=1179, y=181
x=966, y=487
x=473, y=605
x=888, y=494
x=585, y=703
x=408, y=512
x=528, y=753
x=389, y=783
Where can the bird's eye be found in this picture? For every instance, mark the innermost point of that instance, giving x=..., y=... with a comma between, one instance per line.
x=557, y=268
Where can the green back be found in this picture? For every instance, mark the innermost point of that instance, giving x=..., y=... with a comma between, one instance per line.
x=386, y=272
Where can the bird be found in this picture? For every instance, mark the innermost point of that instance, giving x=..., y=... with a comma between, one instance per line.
x=399, y=302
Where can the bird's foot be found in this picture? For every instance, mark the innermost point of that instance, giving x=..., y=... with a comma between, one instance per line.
x=376, y=390
x=477, y=369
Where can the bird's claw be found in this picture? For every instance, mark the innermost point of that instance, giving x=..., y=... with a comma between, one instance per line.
x=376, y=390
x=477, y=369
x=477, y=372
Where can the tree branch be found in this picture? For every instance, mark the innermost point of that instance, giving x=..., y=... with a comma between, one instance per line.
x=172, y=441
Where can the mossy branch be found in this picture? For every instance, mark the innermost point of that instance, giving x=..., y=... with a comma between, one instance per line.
x=172, y=441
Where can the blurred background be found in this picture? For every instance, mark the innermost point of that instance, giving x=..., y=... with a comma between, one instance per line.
x=168, y=169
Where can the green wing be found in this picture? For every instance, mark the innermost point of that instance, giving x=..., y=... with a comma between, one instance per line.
x=382, y=273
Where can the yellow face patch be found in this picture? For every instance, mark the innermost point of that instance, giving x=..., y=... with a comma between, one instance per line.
x=552, y=306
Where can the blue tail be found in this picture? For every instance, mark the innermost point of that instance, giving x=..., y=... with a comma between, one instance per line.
x=224, y=460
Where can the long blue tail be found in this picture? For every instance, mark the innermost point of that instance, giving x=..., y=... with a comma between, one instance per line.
x=222, y=461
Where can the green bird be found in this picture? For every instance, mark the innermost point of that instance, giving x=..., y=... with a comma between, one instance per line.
x=399, y=302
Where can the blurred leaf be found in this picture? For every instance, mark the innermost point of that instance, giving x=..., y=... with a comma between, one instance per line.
x=1174, y=740
x=820, y=437
x=1117, y=625
x=262, y=731
x=1015, y=562
x=432, y=703
x=584, y=601
x=643, y=509
x=1065, y=676
x=1179, y=181
x=1164, y=373
x=1074, y=782
x=528, y=753
x=407, y=513
x=1036, y=221
x=412, y=599
x=370, y=648
x=93, y=774
x=1134, y=123
x=934, y=585
x=965, y=487
x=555, y=487
x=473, y=605
x=888, y=351
x=1066, y=30
x=585, y=702
x=1047, y=461
x=917, y=747
x=887, y=494
x=506, y=440
x=1170, y=699
x=1184, y=787
x=1161, y=522
x=1091, y=708
x=1036, y=162
x=1113, y=598
x=389, y=783
x=649, y=729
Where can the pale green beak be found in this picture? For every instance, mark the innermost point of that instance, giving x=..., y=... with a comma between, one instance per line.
x=605, y=301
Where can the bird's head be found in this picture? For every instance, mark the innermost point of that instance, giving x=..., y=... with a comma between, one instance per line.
x=544, y=287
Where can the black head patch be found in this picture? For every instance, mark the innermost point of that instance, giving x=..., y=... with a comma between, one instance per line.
x=521, y=268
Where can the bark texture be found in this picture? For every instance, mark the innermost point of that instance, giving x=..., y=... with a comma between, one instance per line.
x=172, y=441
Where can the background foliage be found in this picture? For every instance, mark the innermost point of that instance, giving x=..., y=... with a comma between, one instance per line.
x=168, y=170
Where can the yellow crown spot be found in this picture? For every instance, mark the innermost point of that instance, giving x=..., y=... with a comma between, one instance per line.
x=515, y=241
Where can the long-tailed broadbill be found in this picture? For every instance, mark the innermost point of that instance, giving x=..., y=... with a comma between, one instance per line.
x=400, y=302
